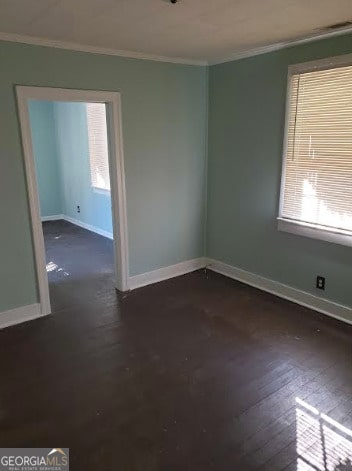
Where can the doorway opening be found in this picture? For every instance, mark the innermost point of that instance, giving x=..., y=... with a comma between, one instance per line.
x=72, y=142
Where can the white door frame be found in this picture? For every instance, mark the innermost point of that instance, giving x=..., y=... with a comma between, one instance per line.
x=117, y=178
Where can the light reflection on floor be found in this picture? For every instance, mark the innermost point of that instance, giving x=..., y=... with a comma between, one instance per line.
x=323, y=444
x=51, y=266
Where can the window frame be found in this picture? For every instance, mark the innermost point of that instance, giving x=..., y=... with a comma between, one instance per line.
x=305, y=229
x=98, y=189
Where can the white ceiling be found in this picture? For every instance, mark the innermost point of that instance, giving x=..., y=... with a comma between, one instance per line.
x=195, y=30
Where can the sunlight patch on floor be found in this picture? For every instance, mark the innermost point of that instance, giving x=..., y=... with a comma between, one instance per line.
x=323, y=444
x=51, y=266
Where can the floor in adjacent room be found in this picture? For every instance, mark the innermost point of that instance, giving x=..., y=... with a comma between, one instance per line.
x=80, y=265
x=196, y=373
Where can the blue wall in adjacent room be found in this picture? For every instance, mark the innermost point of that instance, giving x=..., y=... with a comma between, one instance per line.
x=61, y=152
x=43, y=128
x=73, y=152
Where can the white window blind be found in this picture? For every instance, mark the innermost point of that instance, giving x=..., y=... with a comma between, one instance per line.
x=98, y=146
x=317, y=186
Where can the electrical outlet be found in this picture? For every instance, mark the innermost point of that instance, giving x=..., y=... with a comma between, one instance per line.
x=320, y=282
x=78, y=208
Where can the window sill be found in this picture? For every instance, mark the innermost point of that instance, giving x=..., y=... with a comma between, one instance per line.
x=315, y=232
x=101, y=191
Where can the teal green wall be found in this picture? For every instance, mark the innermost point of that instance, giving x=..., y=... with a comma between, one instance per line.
x=164, y=109
x=73, y=154
x=247, y=117
x=43, y=130
x=164, y=129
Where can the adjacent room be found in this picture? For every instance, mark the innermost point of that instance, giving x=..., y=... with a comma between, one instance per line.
x=176, y=238
x=70, y=154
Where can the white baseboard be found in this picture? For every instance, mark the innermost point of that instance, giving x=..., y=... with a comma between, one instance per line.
x=55, y=217
x=79, y=223
x=162, y=274
x=19, y=314
x=330, y=308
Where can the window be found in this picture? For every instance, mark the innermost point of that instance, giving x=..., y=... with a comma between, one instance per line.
x=98, y=146
x=316, y=191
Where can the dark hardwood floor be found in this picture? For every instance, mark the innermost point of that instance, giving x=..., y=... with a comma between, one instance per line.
x=196, y=373
x=80, y=266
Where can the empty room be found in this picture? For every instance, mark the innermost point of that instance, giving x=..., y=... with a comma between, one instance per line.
x=176, y=235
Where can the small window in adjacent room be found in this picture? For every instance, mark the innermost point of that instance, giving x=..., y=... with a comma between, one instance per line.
x=98, y=146
x=316, y=189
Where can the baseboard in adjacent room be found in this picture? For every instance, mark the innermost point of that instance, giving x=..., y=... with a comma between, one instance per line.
x=166, y=273
x=79, y=223
x=324, y=306
x=55, y=217
x=19, y=315
x=89, y=227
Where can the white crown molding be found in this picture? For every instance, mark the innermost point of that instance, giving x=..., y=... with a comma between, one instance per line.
x=280, y=45
x=324, y=306
x=46, y=42
x=19, y=315
x=35, y=41
x=166, y=273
